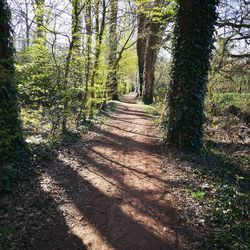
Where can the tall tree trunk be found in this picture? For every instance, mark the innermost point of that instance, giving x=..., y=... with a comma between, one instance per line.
x=99, y=33
x=11, y=140
x=27, y=24
x=113, y=40
x=150, y=57
x=191, y=54
x=74, y=50
x=154, y=34
x=88, y=21
x=140, y=47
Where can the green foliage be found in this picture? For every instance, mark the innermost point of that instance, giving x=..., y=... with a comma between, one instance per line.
x=230, y=219
x=228, y=81
x=227, y=74
x=36, y=77
x=199, y=195
x=156, y=13
x=227, y=199
x=161, y=84
x=221, y=101
x=127, y=71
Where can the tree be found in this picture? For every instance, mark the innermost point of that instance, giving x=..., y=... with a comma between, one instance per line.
x=73, y=65
x=155, y=28
x=63, y=74
x=112, y=76
x=192, y=45
x=88, y=21
x=39, y=18
x=152, y=18
x=11, y=140
x=100, y=26
x=140, y=47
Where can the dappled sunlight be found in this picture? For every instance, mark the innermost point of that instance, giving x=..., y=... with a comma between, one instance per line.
x=113, y=193
x=85, y=217
x=124, y=125
x=80, y=227
x=116, y=193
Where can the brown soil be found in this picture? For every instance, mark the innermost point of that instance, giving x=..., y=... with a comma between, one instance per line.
x=109, y=190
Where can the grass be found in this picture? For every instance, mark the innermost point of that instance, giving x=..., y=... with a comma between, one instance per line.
x=224, y=100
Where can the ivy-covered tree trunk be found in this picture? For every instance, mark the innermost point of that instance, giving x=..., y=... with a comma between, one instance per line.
x=193, y=42
x=113, y=40
x=39, y=18
x=12, y=145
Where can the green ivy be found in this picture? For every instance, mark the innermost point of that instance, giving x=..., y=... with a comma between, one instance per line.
x=13, y=151
x=192, y=45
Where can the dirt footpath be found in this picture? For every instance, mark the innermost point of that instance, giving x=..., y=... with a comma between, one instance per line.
x=109, y=190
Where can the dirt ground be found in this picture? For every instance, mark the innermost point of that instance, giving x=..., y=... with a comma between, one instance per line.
x=109, y=190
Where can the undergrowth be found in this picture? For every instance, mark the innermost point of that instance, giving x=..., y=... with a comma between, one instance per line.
x=228, y=199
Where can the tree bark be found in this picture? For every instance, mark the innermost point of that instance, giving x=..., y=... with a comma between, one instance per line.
x=192, y=47
x=12, y=146
x=88, y=21
x=113, y=40
x=99, y=33
x=151, y=52
x=154, y=34
x=74, y=49
x=141, y=46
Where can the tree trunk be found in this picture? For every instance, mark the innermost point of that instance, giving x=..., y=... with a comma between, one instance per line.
x=27, y=24
x=39, y=18
x=141, y=46
x=113, y=40
x=73, y=53
x=191, y=54
x=99, y=33
x=12, y=146
x=151, y=52
x=154, y=32
x=88, y=21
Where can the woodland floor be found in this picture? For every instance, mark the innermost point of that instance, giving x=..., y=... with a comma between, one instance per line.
x=112, y=189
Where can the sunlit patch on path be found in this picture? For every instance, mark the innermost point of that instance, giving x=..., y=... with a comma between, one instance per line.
x=112, y=189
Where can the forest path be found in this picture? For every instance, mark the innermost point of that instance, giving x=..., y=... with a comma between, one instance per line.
x=112, y=189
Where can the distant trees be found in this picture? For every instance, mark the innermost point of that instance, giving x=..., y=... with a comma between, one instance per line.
x=12, y=146
x=72, y=62
x=152, y=19
x=192, y=45
x=156, y=27
x=229, y=70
